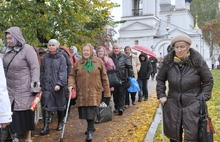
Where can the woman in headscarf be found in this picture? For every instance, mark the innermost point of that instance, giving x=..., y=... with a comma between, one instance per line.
x=188, y=76
x=53, y=77
x=22, y=72
x=109, y=65
x=89, y=75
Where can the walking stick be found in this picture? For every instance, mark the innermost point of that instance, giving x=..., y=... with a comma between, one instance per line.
x=161, y=106
x=65, y=119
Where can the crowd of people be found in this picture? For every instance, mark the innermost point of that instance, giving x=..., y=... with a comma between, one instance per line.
x=59, y=71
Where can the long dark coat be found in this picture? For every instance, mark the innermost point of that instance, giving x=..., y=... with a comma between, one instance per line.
x=184, y=88
x=53, y=72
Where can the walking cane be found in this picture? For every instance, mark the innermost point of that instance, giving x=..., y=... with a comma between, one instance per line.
x=161, y=107
x=65, y=119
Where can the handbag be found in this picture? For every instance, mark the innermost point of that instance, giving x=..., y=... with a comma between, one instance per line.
x=105, y=114
x=3, y=135
x=134, y=86
x=36, y=101
x=206, y=129
x=114, y=78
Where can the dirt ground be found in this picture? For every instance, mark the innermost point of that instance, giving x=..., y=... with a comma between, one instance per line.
x=75, y=128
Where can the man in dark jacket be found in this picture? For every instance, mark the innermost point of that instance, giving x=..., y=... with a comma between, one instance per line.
x=153, y=62
x=143, y=76
x=124, y=66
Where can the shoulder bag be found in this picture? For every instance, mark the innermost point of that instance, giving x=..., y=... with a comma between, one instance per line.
x=206, y=129
x=114, y=78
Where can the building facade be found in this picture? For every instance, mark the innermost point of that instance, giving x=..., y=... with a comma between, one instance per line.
x=153, y=23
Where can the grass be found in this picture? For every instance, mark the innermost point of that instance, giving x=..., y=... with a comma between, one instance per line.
x=213, y=107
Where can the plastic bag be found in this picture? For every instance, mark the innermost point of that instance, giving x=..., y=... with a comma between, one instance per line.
x=105, y=113
x=134, y=86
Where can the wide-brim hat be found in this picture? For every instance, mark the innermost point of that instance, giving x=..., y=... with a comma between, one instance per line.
x=181, y=37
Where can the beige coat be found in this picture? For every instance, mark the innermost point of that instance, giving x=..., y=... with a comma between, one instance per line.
x=23, y=70
x=135, y=64
x=89, y=84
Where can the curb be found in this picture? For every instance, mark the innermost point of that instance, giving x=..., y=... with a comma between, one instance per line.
x=153, y=127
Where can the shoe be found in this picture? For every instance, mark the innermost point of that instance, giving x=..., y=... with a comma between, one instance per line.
x=60, y=126
x=89, y=136
x=145, y=99
x=45, y=129
x=96, y=121
x=14, y=138
x=139, y=100
x=115, y=111
x=133, y=103
x=87, y=131
x=120, y=111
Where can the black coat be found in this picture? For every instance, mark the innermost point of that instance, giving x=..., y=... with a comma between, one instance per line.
x=53, y=72
x=185, y=84
x=153, y=62
x=146, y=67
x=123, y=64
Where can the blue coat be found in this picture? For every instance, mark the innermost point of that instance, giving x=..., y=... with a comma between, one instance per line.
x=53, y=72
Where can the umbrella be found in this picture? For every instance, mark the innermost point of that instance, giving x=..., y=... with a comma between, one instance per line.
x=145, y=49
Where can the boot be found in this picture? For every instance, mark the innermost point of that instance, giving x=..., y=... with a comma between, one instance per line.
x=89, y=136
x=45, y=130
x=51, y=117
x=60, y=120
x=97, y=120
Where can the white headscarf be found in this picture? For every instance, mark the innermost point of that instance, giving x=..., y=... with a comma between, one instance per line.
x=55, y=42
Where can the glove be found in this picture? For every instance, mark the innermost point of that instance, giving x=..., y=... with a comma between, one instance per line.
x=163, y=100
x=107, y=100
x=34, y=93
x=70, y=88
x=35, y=84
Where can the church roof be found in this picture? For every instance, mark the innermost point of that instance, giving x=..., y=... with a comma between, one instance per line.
x=161, y=31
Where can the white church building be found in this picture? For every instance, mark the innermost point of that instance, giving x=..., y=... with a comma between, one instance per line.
x=153, y=23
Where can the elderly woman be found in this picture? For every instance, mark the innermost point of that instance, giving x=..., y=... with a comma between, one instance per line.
x=22, y=72
x=188, y=76
x=89, y=75
x=53, y=77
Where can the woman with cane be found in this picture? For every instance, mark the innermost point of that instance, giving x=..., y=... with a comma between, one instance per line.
x=89, y=75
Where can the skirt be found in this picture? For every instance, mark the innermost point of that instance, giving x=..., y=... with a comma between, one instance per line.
x=22, y=121
x=87, y=112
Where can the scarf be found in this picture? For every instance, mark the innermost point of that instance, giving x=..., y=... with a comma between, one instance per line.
x=180, y=62
x=89, y=65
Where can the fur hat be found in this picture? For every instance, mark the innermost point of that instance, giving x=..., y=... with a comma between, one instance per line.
x=181, y=37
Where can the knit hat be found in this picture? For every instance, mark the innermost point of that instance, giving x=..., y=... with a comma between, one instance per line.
x=179, y=38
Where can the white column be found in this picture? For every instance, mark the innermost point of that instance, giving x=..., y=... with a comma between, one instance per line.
x=149, y=7
x=127, y=8
x=165, y=1
x=180, y=4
